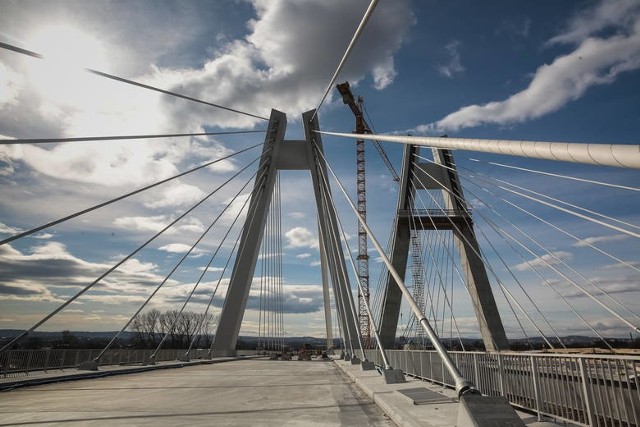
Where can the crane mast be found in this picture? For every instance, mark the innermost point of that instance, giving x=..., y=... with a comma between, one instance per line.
x=363, y=256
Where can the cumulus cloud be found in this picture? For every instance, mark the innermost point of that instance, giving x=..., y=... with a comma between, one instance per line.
x=177, y=194
x=287, y=58
x=157, y=223
x=179, y=248
x=552, y=258
x=290, y=50
x=454, y=66
x=7, y=229
x=598, y=58
x=49, y=271
x=301, y=237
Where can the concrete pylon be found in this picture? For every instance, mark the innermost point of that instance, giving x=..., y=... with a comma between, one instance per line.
x=280, y=154
x=454, y=217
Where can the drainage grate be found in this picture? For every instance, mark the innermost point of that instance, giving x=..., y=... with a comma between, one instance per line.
x=423, y=396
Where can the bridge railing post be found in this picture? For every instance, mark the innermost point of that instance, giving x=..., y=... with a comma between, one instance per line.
x=29, y=358
x=536, y=386
x=586, y=392
x=431, y=365
x=475, y=370
x=500, y=376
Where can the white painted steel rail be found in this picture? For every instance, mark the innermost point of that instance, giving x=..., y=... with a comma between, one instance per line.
x=596, y=390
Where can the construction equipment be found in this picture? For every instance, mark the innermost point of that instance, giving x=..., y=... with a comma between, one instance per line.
x=363, y=258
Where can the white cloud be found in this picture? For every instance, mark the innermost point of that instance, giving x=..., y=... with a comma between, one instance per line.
x=177, y=194
x=134, y=266
x=7, y=165
x=42, y=236
x=303, y=256
x=7, y=229
x=610, y=13
x=10, y=86
x=238, y=207
x=595, y=61
x=142, y=223
x=599, y=239
x=284, y=60
x=610, y=285
x=552, y=258
x=34, y=275
x=621, y=265
x=157, y=223
x=301, y=237
x=454, y=65
x=176, y=248
x=211, y=269
x=269, y=255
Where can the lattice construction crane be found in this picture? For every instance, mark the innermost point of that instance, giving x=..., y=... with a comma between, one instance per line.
x=363, y=256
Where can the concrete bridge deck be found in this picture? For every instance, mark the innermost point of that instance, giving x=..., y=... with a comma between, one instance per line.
x=246, y=392
x=249, y=392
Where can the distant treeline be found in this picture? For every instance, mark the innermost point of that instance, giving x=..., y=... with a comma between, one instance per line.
x=148, y=329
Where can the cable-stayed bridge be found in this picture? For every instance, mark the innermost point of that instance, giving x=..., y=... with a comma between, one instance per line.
x=455, y=221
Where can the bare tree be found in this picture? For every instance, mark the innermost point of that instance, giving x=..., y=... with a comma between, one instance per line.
x=181, y=327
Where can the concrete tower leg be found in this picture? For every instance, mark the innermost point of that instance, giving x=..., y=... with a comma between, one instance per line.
x=224, y=343
x=325, y=294
x=279, y=154
x=399, y=254
x=484, y=304
x=429, y=176
x=329, y=229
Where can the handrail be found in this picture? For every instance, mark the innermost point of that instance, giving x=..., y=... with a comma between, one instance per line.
x=589, y=389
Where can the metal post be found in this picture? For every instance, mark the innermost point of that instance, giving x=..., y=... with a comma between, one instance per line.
x=475, y=368
x=501, y=375
x=586, y=393
x=536, y=386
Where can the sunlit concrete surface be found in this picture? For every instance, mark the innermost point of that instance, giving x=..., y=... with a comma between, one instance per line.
x=441, y=412
x=247, y=392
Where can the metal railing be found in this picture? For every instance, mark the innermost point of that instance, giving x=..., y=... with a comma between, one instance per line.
x=14, y=363
x=588, y=389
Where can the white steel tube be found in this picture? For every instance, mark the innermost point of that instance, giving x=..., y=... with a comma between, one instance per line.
x=618, y=155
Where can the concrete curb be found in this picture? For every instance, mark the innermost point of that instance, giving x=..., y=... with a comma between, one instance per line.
x=397, y=408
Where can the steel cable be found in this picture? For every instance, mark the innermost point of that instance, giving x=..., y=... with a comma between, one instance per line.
x=133, y=83
x=124, y=196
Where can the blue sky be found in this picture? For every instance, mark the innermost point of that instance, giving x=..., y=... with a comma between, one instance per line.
x=546, y=70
